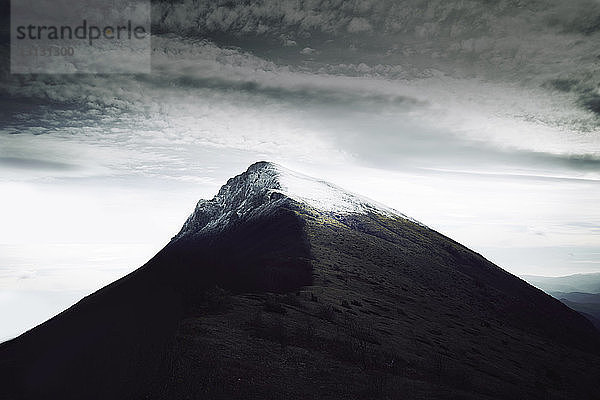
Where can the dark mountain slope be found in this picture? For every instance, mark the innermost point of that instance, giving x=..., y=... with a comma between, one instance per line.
x=326, y=296
x=588, y=304
x=417, y=256
x=409, y=314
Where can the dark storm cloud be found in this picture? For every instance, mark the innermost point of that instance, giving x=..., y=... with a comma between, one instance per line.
x=27, y=163
x=438, y=18
x=532, y=42
x=586, y=88
x=303, y=94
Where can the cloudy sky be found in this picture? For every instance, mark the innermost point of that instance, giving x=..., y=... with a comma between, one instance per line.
x=480, y=119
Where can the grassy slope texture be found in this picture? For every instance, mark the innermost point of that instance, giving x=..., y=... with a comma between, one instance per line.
x=301, y=304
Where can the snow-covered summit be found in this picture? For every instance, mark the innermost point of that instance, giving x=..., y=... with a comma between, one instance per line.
x=266, y=185
x=325, y=196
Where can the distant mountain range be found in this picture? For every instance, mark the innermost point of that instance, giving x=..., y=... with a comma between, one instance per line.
x=581, y=292
x=586, y=303
x=285, y=286
x=586, y=283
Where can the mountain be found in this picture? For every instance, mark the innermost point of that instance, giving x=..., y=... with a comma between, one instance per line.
x=284, y=286
x=581, y=292
x=577, y=297
x=589, y=310
x=586, y=283
x=588, y=304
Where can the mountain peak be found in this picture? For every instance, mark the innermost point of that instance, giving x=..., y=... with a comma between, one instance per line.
x=259, y=165
x=265, y=185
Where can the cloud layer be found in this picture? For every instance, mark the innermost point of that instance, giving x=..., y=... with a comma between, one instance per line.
x=535, y=43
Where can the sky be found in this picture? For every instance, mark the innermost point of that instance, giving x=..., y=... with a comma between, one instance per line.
x=479, y=119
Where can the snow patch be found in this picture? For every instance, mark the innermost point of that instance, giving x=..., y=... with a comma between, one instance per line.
x=325, y=196
x=264, y=186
